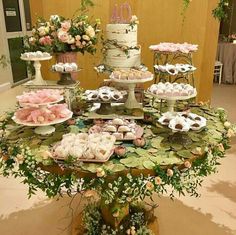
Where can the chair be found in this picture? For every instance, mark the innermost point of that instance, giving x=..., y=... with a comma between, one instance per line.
x=218, y=71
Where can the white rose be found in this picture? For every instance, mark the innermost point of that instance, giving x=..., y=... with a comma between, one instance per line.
x=71, y=40
x=86, y=37
x=90, y=31
x=134, y=18
x=42, y=30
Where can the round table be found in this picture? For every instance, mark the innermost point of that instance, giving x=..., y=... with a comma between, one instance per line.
x=226, y=54
x=150, y=165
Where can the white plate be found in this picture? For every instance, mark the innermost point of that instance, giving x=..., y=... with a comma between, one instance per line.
x=37, y=59
x=44, y=124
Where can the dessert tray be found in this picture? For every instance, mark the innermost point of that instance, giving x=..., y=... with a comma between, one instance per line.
x=97, y=148
x=122, y=130
x=105, y=94
x=40, y=98
x=171, y=92
x=182, y=121
x=43, y=117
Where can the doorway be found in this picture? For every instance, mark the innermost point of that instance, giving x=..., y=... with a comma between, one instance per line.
x=15, y=24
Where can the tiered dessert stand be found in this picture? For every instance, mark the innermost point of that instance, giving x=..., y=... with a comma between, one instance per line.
x=37, y=65
x=44, y=128
x=162, y=58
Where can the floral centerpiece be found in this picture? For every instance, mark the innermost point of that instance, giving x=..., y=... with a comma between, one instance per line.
x=60, y=35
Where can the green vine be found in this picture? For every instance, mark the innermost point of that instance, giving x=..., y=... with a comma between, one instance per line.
x=3, y=61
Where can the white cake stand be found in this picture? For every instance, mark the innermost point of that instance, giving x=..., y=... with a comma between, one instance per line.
x=131, y=102
x=37, y=65
x=43, y=129
x=171, y=100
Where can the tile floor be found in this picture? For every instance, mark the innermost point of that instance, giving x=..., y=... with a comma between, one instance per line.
x=214, y=213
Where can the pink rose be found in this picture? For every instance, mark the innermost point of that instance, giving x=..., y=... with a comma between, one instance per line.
x=65, y=25
x=45, y=41
x=63, y=36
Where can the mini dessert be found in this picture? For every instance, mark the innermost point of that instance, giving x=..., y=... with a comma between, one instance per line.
x=110, y=128
x=43, y=96
x=35, y=55
x=65, y=67
x=179, y=124
x=131, y=74
x=175, y=69
x=174, y=47
x=129, y=136
x=172, y=90
x=118, y=135
x=118, y=121
x=123, y=129
x=85, y=147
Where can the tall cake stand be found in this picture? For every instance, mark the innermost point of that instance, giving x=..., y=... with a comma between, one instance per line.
x=131, y=102
x=171, y=100
x=37, y=65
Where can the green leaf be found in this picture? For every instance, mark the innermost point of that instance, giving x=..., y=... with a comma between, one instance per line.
x=156, y=142
x=184, y=154
x=148, y=165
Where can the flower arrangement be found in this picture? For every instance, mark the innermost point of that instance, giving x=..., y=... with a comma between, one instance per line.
x=232, y=37
x=60, y=35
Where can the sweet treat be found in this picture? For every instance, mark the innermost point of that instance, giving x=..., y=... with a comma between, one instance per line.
x=128, y=53
x=40, y=97
x=174, y=47
x=183, y=121
x=35, y=55
x=175, y=69
x=118, y=135
x=43, y=115
x=110, y=128
x=129, y=136
x=106, y=94
x=123, y=129
x=130, y=74
x=85, y=147
x=65, y=67
x=118, y=121
x=172, y=90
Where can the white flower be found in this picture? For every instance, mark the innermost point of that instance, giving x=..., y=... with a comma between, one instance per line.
x=43, y=30
x=86, y=37
x=54, y=18
x=134, y=18
x=227, y=124
x=230, y=133
x=71, y=40
x=90, y=31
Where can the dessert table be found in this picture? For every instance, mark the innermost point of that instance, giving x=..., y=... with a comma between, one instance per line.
x=226, y=54
x=155, y=163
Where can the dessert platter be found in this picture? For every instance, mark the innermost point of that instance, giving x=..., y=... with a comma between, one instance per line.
x=171, y=92
x=66, y=70
x=42, y=117
x=42, y=97
x=39, y=109
x=122, y=130
x=37, y=57
x=97, y=147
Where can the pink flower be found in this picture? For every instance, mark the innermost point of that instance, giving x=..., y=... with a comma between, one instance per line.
x=45, y=41
x=187, y=164
x=63, y=36
x=65, y=25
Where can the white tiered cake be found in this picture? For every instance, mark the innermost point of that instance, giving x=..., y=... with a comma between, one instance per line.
x=123, y=51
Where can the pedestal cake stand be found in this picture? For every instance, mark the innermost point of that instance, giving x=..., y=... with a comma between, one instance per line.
x=131, y=102
x=171, y=100
x=37, y=65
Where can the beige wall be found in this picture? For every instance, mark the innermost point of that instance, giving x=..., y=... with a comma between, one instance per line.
x=159, y=21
